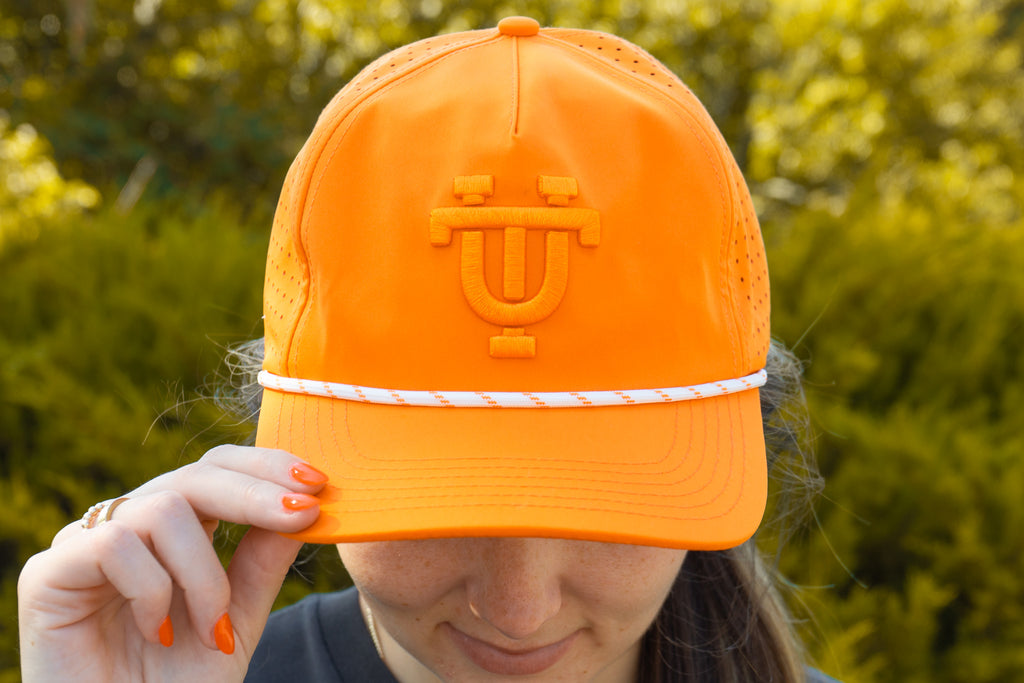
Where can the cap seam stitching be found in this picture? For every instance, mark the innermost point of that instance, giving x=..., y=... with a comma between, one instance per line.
x=515, y=86
x=296, y=188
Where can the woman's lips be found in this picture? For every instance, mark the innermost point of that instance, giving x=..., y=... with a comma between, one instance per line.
x=504, y=662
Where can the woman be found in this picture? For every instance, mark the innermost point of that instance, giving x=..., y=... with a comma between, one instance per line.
x=516, y=317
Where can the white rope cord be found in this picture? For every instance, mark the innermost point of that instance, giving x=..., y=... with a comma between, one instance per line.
x=509, y=399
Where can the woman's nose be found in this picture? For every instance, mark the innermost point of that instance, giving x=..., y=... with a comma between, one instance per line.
x=517, y=587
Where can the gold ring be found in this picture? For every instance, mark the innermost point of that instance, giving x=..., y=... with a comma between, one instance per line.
x=101, y=512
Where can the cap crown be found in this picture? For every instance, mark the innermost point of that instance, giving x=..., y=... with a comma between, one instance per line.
x=562, y=193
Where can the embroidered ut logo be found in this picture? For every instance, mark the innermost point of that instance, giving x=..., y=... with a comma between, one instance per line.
x=557, y=219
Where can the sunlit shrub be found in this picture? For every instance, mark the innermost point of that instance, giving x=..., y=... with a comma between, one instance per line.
x=32, y=190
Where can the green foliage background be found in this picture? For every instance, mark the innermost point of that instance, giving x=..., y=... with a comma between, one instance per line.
x=882, y=141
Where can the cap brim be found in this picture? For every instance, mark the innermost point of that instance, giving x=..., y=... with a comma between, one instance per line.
x=689, y=475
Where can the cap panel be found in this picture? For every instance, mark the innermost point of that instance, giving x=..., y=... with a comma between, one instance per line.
x=647, y=170
x=654, y=173
x=374, y=300
x=287, y=276
x=744, y=282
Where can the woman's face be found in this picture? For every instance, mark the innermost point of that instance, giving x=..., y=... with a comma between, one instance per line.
x=485, y=609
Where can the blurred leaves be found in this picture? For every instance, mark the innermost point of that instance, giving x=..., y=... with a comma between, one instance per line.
x=31, y=189
x=883, y=144
x=111, y=324
x=915, y=381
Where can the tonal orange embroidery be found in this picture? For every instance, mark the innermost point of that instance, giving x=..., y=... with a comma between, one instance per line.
x=557, y=220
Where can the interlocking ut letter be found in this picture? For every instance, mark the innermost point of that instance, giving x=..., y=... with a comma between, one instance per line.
x=557, y=219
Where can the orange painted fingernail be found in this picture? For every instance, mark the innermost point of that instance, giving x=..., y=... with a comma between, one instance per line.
x=166, y=632
x=307, y=474
x=298, y=501
x=224, y=635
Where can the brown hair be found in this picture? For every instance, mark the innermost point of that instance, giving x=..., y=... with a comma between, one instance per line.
x=723, y=622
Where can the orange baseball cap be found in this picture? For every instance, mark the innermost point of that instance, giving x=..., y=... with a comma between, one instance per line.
x=516, y=287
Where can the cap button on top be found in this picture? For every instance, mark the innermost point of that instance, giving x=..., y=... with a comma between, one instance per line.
x=518, y=26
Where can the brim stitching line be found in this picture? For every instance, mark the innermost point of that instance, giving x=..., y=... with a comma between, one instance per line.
x=612, y=496
x=615, y=495
x=444, y=466
x=508, y=399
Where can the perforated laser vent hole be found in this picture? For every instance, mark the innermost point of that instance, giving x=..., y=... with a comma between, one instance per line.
x=750, y=271
x=626, y=56
x=394, y=61
x=286, y=271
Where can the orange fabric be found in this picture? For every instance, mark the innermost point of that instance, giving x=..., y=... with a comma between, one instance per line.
x=514, y=268
x=391, y=265
x=648, y=475
x=558, y=191
x=518, y=26
x=473, y=189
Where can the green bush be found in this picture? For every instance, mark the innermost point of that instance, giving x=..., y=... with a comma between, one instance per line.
x=916, y=377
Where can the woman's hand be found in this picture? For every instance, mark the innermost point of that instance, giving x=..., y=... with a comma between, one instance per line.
x=94, y=607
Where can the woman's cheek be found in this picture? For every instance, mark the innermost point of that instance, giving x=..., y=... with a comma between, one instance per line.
x=406, y=574
x=625, y=573
x=632, y=590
